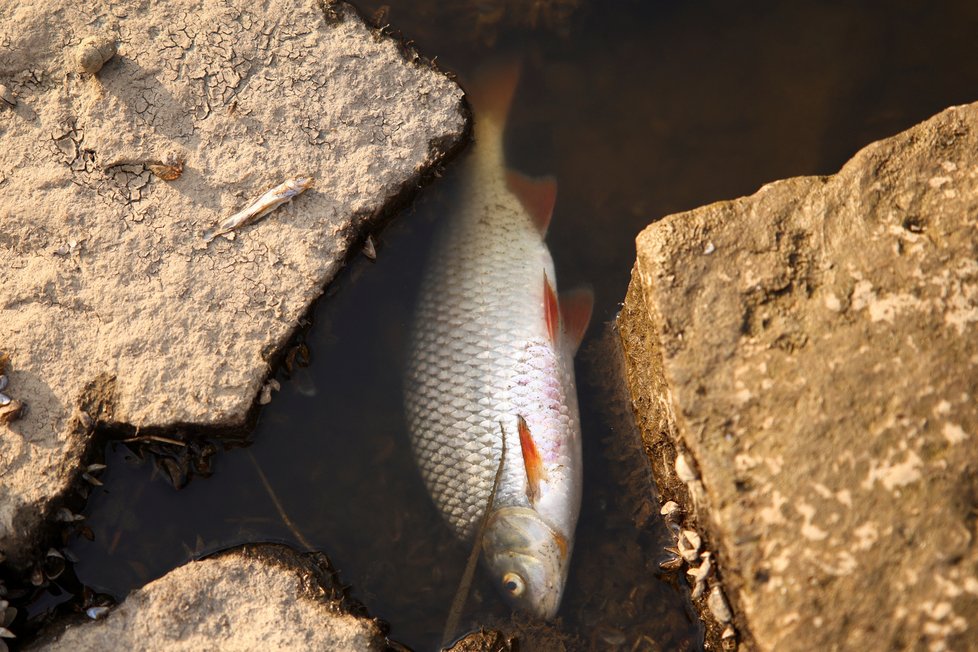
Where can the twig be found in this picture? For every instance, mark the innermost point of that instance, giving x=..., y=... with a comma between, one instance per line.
x=278, y=506
x=465, y=584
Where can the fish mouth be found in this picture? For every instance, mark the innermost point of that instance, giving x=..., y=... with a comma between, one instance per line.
x=527, y=559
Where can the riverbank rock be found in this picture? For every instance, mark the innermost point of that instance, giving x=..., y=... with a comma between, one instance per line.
x=113, y=308
x=804, y=366
x=256, y=597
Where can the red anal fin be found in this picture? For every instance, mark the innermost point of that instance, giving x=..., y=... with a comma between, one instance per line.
x=531, y=461
x=538, y=197
x=576, y=307
x=551, y=309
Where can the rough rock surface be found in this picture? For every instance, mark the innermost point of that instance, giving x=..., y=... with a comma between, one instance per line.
x=812, y=353
x=112, y=308
x=258, y=597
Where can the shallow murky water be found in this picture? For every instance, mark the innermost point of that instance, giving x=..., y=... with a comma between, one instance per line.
x=640, y=109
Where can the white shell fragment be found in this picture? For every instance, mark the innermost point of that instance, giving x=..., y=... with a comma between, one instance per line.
x=266, y=391
x=369, y=250
x=700, y=575
x=92, y=53
x=670, y=509
x=689, y=543
x=6, y=633
x=280, y=194
x=684, y=470
x=718, y=605
x=4, y=400
x=65, y=515
x=97, y=613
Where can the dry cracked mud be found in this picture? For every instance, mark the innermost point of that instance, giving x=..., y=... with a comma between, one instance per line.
x=113, y=310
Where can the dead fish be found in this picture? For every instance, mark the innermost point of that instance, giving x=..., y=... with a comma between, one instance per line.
x=493, y=348
x=280, y=194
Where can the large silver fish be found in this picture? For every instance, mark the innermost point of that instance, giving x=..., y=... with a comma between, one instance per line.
x=493, y=356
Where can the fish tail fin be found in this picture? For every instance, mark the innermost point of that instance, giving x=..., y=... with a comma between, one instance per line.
x=491, y=95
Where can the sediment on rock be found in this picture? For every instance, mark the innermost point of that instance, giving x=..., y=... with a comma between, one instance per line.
x=255, y=597
x=811, y=353
x=110, y=178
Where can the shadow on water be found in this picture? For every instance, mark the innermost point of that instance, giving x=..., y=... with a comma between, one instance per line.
x=640, y=109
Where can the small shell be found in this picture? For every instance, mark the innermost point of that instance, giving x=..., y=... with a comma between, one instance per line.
x=728, y=639
x=95, y=468
x=92, y=53
x=4, y=400
x=670, y=508
x=672, y=562
x=695, y=541
x=54, y=564
x=65, y=515
x=684, y=470
x=97, y=613
x=718, y=605
x=7, y=96
x=266, y=392
x=700, y=575
x=369, y=250
x=689, y=543
x=90, y=479
x=6, y=633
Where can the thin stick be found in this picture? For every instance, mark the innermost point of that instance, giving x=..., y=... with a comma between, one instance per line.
x=465, y=584
x=145, y=438
x=278, y=505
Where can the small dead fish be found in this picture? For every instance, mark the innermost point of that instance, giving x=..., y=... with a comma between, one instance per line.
x=280, y=194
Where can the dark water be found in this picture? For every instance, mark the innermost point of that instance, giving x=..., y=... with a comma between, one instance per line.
x=640, y=109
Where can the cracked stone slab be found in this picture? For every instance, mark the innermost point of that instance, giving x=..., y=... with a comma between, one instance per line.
x=811, y=352
x=112, y=308
x=257, y=597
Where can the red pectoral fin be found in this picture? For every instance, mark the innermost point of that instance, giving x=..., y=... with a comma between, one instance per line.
x=576, y=307
x=551, y=310
x=537, y=196
x=531, y=460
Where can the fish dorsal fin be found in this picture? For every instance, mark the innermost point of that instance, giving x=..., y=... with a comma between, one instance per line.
x=538, y=197
x=532, y=461
x=576, y=307
x=551, y=310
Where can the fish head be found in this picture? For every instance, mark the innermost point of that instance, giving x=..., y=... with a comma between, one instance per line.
x=300, y=184
x=527, y=560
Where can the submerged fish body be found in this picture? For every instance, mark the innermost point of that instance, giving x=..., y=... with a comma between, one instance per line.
x=492, y=357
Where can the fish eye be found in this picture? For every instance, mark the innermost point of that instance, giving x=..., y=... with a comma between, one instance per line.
x=513, y=584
